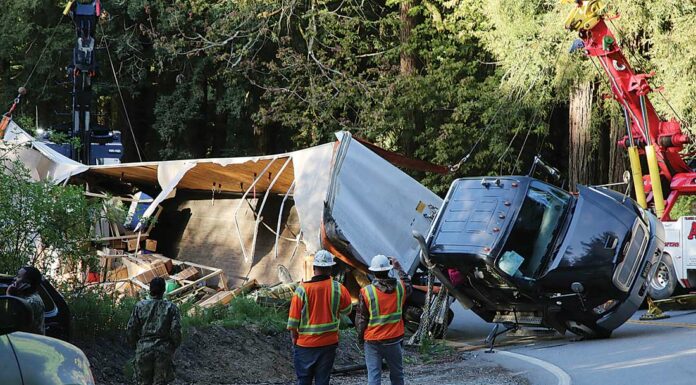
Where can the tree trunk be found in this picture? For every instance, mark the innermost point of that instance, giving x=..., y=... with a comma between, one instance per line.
x=581, y=155
x=617, y=155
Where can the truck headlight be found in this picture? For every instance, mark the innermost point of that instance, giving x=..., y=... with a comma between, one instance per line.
x=605, y=307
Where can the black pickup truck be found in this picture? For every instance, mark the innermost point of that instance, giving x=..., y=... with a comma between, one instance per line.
x=531, y=254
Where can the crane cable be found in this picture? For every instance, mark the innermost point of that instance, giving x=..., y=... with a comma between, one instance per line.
x=120, y=94
x=43, y=51
x=534, y=120
x=455, y=167
x=31, y=73
x=553, y=107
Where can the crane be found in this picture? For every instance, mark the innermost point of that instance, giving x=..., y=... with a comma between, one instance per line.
x=659, y=141
x=649, y=140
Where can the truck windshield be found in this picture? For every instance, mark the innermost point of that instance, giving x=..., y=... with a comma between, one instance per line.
x=533, y=231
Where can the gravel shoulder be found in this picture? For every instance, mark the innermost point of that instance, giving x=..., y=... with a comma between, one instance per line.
x=455, y=369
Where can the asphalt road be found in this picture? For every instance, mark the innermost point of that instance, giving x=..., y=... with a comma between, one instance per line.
x=659, y=352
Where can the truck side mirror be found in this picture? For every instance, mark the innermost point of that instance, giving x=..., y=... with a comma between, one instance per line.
x=15, y=315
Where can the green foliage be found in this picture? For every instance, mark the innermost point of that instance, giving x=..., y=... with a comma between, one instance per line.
x=431, y=350
x=42, y=223
x=230, y=78
x=239, y=312
x=683, y=207
x=96, y=313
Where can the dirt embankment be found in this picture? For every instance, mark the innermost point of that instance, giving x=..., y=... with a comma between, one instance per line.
x=216, y=355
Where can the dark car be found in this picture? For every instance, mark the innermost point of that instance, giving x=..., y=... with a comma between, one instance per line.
x=57, y=313
x=533, y=254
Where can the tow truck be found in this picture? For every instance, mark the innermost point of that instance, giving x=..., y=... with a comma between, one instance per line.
x=650, y=141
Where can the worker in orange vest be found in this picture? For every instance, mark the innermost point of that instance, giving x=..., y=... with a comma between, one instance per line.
x=313, y=322
x=379, y=321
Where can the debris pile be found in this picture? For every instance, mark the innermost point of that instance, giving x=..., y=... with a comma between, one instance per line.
x=128, y=274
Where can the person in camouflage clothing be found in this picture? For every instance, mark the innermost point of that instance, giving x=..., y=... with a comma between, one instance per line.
x=26, y=286
x=154, y=329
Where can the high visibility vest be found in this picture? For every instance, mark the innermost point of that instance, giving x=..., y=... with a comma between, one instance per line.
x=385, y=311
x=319, y=317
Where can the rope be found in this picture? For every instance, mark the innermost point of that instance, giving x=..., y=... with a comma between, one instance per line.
x=120, y=94
x=55, y=29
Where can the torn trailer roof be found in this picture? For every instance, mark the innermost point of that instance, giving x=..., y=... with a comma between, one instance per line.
x=250, y=215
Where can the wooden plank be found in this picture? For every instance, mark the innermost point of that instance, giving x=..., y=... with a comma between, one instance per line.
x=157, y=270
x=186, y=274
x=221, y=298
x=203, y=279
x=247, y=287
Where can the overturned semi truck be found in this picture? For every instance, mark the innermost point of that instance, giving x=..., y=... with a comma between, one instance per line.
x=527, y=253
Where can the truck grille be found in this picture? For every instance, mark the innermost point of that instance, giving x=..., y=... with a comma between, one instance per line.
x=633, y=255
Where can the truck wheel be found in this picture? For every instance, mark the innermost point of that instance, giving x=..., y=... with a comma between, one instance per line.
x=664, y=280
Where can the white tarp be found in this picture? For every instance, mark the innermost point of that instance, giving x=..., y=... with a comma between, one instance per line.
x=43, y=162
x=312, y=177
x=376, y=205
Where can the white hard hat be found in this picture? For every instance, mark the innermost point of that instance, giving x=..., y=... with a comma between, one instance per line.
x=380, y=263
x=323, y=259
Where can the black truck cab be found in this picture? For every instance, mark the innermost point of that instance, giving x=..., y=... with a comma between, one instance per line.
x=529, y=253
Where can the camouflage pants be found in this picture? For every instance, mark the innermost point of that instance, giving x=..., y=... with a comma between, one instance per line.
x=153, y=367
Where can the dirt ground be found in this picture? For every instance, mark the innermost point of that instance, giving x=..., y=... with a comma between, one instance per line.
x=216, y=355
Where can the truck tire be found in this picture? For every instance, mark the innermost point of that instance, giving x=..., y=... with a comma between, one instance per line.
x=664, y=280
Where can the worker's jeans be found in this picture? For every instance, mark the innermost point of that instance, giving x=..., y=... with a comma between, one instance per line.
x=392, y=353
x=314, y=364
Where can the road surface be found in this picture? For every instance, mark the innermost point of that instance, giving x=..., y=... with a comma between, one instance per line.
x=659, y=352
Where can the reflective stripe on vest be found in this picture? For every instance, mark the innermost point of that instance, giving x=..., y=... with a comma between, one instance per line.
x=376, y=318
x=305, y=327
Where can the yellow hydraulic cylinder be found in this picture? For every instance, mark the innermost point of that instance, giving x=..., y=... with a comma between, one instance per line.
x=67, y=7
x=655, y=180
x=637, y=176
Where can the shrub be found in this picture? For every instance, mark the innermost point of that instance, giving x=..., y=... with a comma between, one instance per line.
x=96, y=313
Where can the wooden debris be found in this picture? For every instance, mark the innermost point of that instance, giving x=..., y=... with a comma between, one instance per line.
x=186, y=275
x=118, y=274
x=246, y=288
x=157, y=270
x=219, y=298
x=151, y=245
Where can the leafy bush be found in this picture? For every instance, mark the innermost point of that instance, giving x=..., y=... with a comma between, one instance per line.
x=241, y=311
x=96, y=313
x=42, y=223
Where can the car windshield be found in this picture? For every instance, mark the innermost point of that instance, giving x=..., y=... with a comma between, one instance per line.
x=533, y=231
